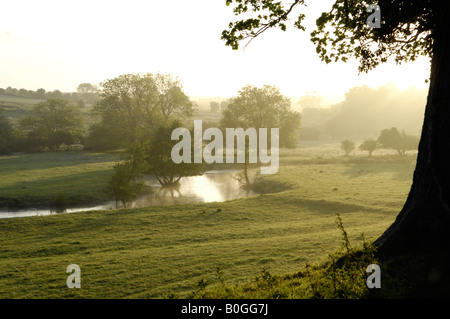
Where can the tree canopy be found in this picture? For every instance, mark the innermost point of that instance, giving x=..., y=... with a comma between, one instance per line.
x=158, y=152
x=87, y=92
x=348, y=146
x=52, y=123
x=394, y=139
x=133, y=105
x=369, y=145
x=406, y=31
x=125, y=183
x=263, y=107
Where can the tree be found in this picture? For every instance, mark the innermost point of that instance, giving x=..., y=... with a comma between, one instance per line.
x=124, y=184
x=56, y=94
x=369, y=145
x=409, y=29
x=87, y=88
x=6, y=134
x=410, y=142
x=134, y=105
x=104, y=136
x=263, y=107
x=22, y=92
x=40, y=93
x=171, y=98
x=52, y=123
x=393, y=139
x=159, y=156
x=348, y=146
x=127, y=104
x=11, y=91
x=88, y=92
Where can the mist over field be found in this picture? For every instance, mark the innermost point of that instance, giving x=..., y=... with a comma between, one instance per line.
x=365, y=112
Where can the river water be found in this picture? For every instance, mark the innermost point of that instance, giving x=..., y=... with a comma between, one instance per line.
x=212, y=186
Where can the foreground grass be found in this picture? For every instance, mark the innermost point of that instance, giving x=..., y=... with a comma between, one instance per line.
x=163, y=252
x=342, y=276
x=38, y=179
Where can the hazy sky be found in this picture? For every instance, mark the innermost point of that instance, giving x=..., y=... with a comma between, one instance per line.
x=59, y=44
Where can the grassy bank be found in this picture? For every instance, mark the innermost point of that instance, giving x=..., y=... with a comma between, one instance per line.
x=165, y=251
x=38, y=180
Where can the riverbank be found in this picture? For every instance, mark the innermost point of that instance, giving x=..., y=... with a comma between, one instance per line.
x=54, y=179
x=211, y=186
x=58, y=180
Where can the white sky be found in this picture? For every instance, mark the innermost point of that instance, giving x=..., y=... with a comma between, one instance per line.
x=60, y=44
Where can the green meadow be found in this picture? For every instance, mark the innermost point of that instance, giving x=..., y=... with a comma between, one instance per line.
x=161, y=252
x=38, y=179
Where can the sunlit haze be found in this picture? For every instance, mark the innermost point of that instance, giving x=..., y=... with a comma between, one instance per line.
x=60, y=44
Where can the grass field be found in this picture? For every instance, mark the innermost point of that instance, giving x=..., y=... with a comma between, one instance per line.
x=160, y=251
x=37, y=179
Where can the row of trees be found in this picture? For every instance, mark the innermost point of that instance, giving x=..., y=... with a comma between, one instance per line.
x=138, y=112
x=86, y=93
x=389, y=139
x=129, y=108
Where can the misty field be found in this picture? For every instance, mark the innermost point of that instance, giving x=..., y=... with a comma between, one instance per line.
x=158, y=252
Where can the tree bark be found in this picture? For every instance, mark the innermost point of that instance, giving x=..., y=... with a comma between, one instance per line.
x=424, y=221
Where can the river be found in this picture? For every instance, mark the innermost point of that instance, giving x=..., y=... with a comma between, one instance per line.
x=212, y=186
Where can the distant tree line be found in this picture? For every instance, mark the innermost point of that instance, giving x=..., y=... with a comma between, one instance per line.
x=86, y=93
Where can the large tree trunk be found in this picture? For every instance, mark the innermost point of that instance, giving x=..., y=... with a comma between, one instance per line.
x=424, y=222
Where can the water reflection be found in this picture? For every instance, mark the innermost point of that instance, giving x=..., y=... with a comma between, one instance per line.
x=212, y=186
